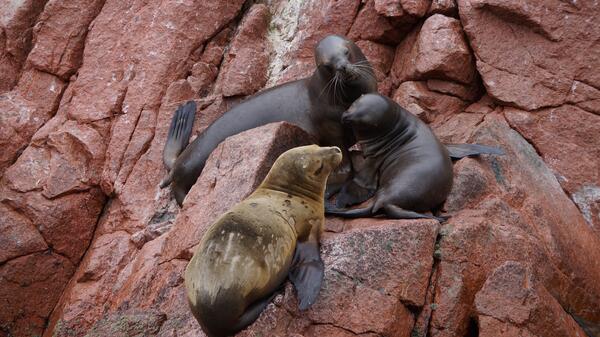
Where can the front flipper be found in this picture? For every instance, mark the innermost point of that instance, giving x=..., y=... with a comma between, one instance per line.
x=458, y=151
x=395, y=212
x=179, y=132
x=307, y=273
x=352, y=194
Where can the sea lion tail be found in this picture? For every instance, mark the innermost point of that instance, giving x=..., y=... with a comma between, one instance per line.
x=458, y=151
x=179, y=133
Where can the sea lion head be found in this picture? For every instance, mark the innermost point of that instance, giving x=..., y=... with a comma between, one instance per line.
x=370, y=116
x=341, y=62
x=303, y=170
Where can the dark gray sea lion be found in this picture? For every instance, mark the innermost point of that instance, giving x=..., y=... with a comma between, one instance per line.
x=245, y=256
x=315, y=104
x=406, y=169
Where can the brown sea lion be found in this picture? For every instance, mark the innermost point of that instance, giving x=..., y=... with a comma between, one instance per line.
x=250, y=250
x=315, y=104
x=406, y=169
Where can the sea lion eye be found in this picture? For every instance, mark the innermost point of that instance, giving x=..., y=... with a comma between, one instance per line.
x=346, y=52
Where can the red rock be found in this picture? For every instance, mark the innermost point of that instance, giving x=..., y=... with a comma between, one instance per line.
x=389, y=8
x=512, y=296
x=527, y=218
x=94, y=281
x=401, y=9
x=416, y=8
x=369, y=276
x=245, y=65
x=205, y=71
x=445, y=7
x=130, y=323
x=55, y=50
x=202, y=77
x=76, y=155
x=404, y=68
x=437, y=50
x=215, y=49
x=396, y=245
x=530, y=54
x=67, y=222
x=16, y=22
x=370, y=25
x=24, y=110
x=464, y=92
x=18, y=236
x=425, y=104
x=568, y=139
x=379, y=55
x=484, y=105
x=29, y=288
x=458, y=128
x=443, y=52
x=469, y=187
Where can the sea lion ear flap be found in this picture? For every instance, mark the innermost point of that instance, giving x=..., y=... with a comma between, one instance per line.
x=307, y=273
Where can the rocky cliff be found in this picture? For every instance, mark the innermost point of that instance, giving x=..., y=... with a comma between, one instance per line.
x=90, y=246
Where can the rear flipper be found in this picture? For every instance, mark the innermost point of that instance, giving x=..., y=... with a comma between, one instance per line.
x=252, y=313
x=391, y=212
x=179, y=133
x=458, y=151
x=365, y=212
x=307, y=273
x=395, y=212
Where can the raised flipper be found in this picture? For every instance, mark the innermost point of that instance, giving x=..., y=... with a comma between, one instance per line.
x=395, y=212
x=179, y=133
x=458, y=151
x=307, y=273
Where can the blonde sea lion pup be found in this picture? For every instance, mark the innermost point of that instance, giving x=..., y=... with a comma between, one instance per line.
x=249, y=251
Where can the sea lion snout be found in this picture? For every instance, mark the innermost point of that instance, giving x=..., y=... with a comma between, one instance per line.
x=334, y=155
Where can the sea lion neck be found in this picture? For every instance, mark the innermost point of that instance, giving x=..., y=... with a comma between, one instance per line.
x=306, y=189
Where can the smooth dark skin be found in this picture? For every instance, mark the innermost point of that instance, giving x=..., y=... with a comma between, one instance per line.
x=315, y=104
x=406, y=167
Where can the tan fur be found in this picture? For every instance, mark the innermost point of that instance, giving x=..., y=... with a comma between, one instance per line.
x=246, y=254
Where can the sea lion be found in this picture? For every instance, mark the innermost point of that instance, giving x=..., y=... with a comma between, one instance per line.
x=406, y=169
x=315, y=104
x=245, y=256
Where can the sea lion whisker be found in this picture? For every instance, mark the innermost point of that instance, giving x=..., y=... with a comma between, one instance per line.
x=362, y=62
x=364, y=73
x=327, y=87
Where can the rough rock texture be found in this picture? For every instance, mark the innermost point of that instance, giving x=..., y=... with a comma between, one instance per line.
x=92, y=247
x=17, y=19
x=513, y=302
x=535, y=54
